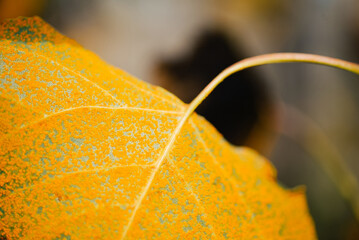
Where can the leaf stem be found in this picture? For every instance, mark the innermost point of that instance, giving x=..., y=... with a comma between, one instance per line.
x=269, y=59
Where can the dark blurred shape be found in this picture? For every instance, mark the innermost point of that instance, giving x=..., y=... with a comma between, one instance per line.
x=240, y=107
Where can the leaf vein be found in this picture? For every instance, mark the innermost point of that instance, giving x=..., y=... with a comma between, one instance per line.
x=189, y=189
x=84, y=107
x=158, y=164
x=225, y=173
x=60, y=176
x=106, y=92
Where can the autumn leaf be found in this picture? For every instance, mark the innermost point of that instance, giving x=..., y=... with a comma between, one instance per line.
x=90, y=152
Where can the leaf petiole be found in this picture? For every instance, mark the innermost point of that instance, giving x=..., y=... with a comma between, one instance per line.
x=269, y=59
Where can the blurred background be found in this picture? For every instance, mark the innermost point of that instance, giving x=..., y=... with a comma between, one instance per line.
x=302, y=117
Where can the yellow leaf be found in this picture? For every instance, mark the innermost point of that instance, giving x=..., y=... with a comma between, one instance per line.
x=86, y=153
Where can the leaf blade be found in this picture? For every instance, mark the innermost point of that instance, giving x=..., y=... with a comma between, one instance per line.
x=141, y=162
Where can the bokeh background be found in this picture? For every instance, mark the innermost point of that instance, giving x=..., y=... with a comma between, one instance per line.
x=297, y=115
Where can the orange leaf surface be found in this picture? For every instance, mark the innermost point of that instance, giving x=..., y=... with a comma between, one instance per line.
x=82, y=156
